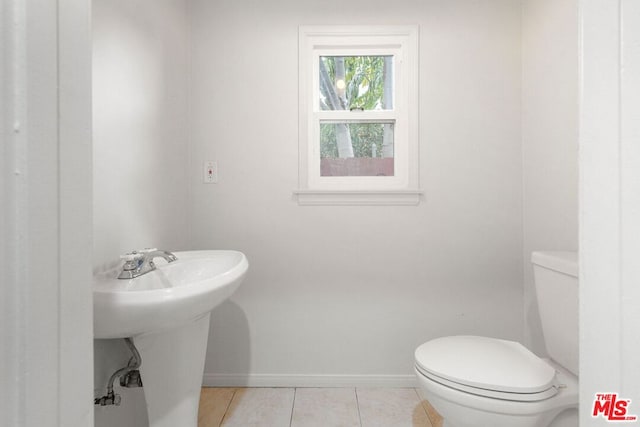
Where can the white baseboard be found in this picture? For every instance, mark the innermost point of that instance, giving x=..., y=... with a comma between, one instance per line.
x=285, y=380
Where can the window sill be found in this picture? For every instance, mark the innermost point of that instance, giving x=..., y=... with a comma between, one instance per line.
x=358, y=197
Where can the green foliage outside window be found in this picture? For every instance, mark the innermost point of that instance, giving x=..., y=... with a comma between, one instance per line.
x=354, y=83
x=363, y=137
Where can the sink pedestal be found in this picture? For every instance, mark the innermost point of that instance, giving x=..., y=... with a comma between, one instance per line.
x=172, y=368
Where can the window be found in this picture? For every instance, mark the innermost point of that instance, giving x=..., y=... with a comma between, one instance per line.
x=358, y=137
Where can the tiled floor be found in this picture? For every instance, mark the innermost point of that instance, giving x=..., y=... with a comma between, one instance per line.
x=315, y=407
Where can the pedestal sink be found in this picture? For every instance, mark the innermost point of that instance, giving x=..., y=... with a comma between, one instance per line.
x=166, y=313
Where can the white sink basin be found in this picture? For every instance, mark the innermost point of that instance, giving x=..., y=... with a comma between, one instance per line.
x=167, y=313
x=172, y=295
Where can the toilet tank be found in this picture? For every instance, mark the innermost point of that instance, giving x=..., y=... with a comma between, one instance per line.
x=556, y=284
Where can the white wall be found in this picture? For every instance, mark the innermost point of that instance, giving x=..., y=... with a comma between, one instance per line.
x=549, y=139
x=140, y=65
x=353, y=290
x=140, y=126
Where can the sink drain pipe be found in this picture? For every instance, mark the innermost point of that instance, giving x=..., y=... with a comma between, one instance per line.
x=130, y=377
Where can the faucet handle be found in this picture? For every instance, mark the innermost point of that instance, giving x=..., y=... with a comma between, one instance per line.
x=132, y=262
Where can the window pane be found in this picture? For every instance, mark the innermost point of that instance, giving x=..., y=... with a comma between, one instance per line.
x=356, y=149
x=356, y=82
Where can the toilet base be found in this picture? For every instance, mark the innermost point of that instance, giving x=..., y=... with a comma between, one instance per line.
x=461, y=409
x=470, y=417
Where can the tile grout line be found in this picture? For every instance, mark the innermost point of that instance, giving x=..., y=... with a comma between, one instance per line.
x=293, y=405
x=235, y=390
x=355, y=390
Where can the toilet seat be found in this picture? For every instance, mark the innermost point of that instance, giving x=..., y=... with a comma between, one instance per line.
x=487, y=367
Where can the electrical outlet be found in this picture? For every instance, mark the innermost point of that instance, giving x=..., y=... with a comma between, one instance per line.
x=210, y=172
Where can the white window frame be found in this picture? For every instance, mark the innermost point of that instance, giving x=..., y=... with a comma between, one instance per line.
x=401, y=42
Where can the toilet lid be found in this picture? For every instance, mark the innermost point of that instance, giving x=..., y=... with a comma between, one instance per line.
x=485, y=363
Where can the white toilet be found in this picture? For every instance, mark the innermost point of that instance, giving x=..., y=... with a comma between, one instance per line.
x=486, y=382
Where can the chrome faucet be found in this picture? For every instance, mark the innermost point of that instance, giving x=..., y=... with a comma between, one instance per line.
x=140, y=262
